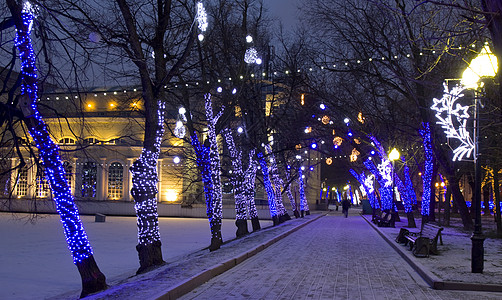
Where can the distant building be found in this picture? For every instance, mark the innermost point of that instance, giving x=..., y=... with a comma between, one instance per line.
x=100, y=134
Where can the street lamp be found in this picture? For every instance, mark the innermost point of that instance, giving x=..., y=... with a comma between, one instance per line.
x=484, y=65
x=393, y=156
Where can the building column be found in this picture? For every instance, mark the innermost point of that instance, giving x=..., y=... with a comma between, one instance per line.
x=32, y=179
x=160, y=196
x=128, y=180
x=73, y=183
x=102, y=180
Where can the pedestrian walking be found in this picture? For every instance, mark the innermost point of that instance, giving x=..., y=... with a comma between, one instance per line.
x=345, y=205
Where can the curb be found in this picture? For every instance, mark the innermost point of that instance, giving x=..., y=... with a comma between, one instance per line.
x=204, y=276
x=431, y=279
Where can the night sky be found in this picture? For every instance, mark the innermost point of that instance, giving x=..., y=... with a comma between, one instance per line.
x=284, y=10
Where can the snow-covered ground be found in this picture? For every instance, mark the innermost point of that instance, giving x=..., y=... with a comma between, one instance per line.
x=454, y=260
x=35, y=262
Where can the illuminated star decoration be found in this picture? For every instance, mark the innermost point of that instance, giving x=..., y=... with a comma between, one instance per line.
x=446, y=112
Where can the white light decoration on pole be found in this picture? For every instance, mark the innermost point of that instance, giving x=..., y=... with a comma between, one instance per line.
x=453, y=119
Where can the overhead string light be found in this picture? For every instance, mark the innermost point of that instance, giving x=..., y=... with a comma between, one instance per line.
x=453, y=119
x=425, y=132
x=75, y=234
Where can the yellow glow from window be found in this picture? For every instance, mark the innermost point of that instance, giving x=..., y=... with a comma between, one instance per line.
x=112, y=105
x=171, y=195
x=89, y=105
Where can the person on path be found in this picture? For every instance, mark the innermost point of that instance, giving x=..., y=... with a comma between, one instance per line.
x=345, y=205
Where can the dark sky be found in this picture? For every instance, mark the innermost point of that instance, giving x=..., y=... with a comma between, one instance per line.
x=284, y=10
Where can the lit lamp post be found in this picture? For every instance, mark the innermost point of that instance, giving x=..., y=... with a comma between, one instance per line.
x=484, y=65
x=393, y=156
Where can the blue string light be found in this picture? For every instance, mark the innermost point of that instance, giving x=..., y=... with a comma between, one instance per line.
x=409, y=184
x=75, y=234
x=268, y=187
x=428, y=168
x=304, y=206
x=385, y=190
x=370, y=191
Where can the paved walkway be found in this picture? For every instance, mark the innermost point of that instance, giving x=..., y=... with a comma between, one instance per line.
x=330, y=258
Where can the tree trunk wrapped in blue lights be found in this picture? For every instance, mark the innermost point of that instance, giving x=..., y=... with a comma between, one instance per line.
x=370, y=191
x=274, y=173
x=428, y=169
x=385, y=189
x=208, y=162
x=269, y=188
x=290, y=194
x=304, y=206
x=144, y=190
x=238, y=182
x=405, y=197
x=92, y=278
x=250, y=178
x=409, y=184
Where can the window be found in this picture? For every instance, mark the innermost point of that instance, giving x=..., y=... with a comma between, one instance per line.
x=91, y=141
x=22, y=182
x=89, y=179
x=43, y=189
x=68, y=168
x=115, y=181
x=67, y=141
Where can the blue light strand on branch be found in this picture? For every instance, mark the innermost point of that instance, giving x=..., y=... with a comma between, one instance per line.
x=268, y=186
x=428, y=168
x=144, y=182
x=75, y=234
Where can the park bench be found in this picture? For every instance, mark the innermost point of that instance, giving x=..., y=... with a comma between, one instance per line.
x=378, y=216
x=424, y=242
x=385, y=221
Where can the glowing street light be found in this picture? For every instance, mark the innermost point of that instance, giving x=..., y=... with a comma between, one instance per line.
x=394, y=155
x=484, y=65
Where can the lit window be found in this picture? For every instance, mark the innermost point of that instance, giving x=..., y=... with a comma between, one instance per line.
x=91, y=141
x=115, y=180
x=67, y=141
x=89, y=180
x=43, y=189
x=22, y=182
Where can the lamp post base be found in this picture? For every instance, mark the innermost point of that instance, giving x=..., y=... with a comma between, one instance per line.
x=478, y=255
